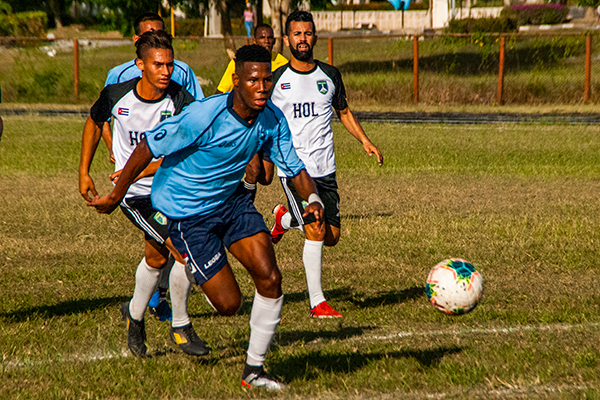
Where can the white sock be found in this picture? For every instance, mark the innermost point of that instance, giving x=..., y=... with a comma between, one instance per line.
x=313, y=263
x=146, y=279
x=264, y=318
x=180, y=287
x=286, y=220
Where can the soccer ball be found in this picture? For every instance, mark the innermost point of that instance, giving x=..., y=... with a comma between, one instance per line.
x=454, y=286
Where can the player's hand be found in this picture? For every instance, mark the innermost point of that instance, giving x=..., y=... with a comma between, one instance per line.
x=114, y=177
x=317, y=210
x=86, y=185
x=371, y=149
x=105, y=204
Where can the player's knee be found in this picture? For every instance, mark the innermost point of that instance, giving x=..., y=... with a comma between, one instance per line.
x=156, y=260
x=272, y=283
x=231, y=307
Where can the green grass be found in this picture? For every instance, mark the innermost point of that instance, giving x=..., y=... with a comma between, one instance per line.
x=519, y=201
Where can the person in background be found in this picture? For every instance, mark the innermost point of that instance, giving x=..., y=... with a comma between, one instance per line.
x=248, y=19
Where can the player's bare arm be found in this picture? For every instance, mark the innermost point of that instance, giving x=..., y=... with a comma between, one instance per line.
x=108, y=139
x=353, y=126
x=89, y=143
x=150, y=170
x=138, y=161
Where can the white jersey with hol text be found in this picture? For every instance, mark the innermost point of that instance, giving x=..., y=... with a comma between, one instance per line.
x=133, y=116
x=306, y=99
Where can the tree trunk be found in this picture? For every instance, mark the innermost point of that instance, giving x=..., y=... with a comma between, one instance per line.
x=226, y=28
x=259, y=12
x=276, y=24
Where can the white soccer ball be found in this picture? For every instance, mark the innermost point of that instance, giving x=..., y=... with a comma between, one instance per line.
x=454, y=286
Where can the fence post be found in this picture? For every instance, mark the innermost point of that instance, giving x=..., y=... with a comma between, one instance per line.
x=501, y=71
x=416, y=68
x=330, y=50
x=588, y=68
x=76, y=68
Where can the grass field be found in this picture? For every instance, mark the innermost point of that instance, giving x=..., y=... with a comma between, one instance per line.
x=518, y=201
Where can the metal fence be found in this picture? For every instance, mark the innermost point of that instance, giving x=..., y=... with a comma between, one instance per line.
x=548, y=68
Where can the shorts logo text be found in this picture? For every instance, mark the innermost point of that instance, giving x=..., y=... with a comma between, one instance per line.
x=213, y=260
x=304, y=110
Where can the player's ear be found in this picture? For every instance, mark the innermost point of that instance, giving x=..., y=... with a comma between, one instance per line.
x=139, y=63
x=235, y=79
x=135, y=38
x=286, y=40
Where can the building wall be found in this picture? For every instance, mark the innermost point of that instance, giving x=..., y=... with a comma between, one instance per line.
x=333, y=21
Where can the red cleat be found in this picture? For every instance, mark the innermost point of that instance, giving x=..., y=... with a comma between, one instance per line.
x=277, y=231
x=324, y=310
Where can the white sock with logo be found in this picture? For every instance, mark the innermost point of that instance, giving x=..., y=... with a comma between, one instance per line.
x=180, y=287
x=146, y=279
x=312, y=257
x=264, y=318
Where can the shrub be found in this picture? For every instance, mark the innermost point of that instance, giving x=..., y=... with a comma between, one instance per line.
x=186, y=27
x=536, y=14
x=29, y=24
x=482, y=25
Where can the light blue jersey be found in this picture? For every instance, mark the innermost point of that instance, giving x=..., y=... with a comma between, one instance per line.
x=206, y=149
x=182, y=74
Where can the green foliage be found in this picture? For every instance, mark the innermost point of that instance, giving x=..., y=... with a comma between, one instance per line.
x=29, y=24
x=5, y=8
x=536, y=14
x=588, y=3
x=481, y=25
x=186, y=26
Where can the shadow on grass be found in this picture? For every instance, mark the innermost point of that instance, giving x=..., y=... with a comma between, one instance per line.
x=390, y=297
x=470, y=63
x=64, y=308
x=363, y=216
x=314, y=364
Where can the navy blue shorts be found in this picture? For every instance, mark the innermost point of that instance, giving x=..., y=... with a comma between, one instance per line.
x=202, y=239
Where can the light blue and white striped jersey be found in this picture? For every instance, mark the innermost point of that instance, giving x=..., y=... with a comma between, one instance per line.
x=182, y=74
x=206, y=149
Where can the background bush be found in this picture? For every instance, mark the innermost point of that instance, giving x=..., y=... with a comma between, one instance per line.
x=30, y=24
x=483, y=25
x=536, y=14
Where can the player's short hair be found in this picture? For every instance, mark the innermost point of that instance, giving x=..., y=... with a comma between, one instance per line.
x=146, y=17
x=251, y=53
x=153, y=40
x=262, y=26
x=299, y=16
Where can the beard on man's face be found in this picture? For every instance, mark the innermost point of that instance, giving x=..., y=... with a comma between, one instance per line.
x=302, y=55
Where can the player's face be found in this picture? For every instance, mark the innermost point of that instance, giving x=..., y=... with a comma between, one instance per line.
x=148, y=26
x=157, y=67
x=264, y=37
x=253, y=83
x=301, y=40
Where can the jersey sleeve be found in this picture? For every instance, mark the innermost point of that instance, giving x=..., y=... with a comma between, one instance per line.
x=182, y=99
x=226, y=84
x=192, y=85
x=184, y=129
x=102, y=108
x=339, y=98
x=279, y=149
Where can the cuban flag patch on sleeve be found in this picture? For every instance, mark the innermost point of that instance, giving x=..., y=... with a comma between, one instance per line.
x=123, y=111
x=285, y=86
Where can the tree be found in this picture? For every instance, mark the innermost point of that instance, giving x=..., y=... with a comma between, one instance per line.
x=280, y=9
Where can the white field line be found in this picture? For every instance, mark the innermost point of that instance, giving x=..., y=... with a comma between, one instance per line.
x=16, y=364
x=477, y=331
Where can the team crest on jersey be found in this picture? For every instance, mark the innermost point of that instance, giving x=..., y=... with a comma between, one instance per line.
x=164, y=115
x=160, y=218
x=322, y=87
x=123, y=111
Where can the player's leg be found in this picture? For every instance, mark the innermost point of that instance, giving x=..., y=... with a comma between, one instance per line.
x=257, y=256
x=146, y=279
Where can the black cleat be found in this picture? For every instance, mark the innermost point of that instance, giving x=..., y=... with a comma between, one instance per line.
x=136, y=332
x=188, y=341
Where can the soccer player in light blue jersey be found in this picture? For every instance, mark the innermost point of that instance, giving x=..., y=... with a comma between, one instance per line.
x=198, y=186
x=182, y=75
